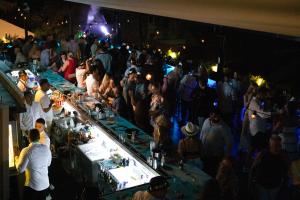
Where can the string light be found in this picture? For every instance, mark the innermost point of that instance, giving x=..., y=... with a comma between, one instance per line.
x=128, y=20
x=148, y=77
x=184, y=47
x=25, y=18
x=22, y=14
x=157, y=32
x=202, y=41
x=19, y=9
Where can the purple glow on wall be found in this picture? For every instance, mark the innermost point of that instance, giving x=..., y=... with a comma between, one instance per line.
x=91, y=14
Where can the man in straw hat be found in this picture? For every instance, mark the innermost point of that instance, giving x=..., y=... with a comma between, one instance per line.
x=157, y=190
x=190, y=147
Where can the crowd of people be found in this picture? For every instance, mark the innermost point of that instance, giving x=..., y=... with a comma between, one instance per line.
x=242, y=134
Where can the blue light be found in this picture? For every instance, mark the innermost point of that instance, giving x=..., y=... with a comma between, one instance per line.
x=211, y=83
x=216, y=104
x=167, y=69
x=242, y=114
x=298, y=112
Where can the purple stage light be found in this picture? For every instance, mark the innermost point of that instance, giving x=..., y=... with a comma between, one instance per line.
x=104, y=30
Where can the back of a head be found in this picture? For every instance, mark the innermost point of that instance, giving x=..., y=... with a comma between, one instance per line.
x=27, y=93
x=43, y=81
x=70, y=55
x=34, y=135
x=40, y=121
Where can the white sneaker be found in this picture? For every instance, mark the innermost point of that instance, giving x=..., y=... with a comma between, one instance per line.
x=51, y=187
x=48, y=197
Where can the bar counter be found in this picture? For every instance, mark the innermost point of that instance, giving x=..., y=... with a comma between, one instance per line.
x=185, y=183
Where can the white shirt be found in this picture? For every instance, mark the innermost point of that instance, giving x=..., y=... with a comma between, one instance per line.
x=187, y=85
x=44, y=100
x=22, y=85
x=93, y=49
x=35, y=160
x=258, y=122
x=20, y=58
x=28, y=118
x=73, y=47
x=45, y=57
x=225, y=92
x=44, y=139
x=91, y=85
x=214, y=137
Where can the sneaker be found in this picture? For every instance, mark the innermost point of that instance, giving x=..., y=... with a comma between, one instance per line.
x=51, y=187
x=48, y=197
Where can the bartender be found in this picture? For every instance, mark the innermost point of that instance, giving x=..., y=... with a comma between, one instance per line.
x=46, y=104
x=33, y=111
x=22, y=83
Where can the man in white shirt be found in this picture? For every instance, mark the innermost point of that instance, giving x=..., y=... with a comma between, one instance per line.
x=186, y=87
x=94, y=47
x=33, y=112
x=34, y=160
x=46, y=104
x=215, y=134
x=45, y=57
x=105, y=58
x=258, y=121
x=40, y=126
x=20, y=58
x=22, y=84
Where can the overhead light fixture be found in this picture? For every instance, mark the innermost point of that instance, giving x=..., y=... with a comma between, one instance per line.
x=214, y=68
x=173, y=54
x=258, y=80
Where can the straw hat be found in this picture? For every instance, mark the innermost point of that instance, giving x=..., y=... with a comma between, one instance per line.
x=190, y=129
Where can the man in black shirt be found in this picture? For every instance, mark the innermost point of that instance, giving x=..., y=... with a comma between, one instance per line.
x=269, y=171
x=203, y=102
